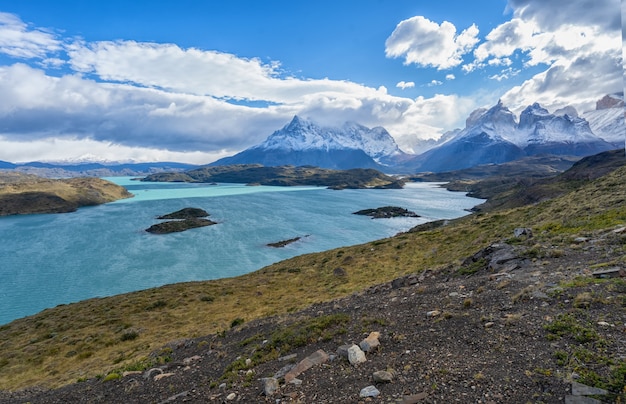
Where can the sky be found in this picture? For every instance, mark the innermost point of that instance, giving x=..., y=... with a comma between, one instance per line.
x=197, y=80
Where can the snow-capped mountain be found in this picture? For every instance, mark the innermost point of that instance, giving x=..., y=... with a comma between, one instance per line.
x=607, y=120
x=495, y=136
x=303, y=142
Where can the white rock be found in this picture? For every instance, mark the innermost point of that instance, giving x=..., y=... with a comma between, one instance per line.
x=356, y=355
x=369, y=391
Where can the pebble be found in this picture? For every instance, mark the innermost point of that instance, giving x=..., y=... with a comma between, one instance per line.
x=270, y=385
x=369, y=391
x=433, y=313
x=162, y=376
x=231, y=396
x=370, y=342
x=382, y=376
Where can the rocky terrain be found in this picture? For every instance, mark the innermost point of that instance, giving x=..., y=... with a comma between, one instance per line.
x=25, y=194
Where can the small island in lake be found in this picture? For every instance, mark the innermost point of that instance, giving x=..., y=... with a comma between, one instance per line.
x=184, y=219
x=283, y=243
x=386, y=212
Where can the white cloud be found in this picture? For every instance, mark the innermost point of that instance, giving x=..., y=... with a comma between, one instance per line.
x=58, y=149
x=554, y=14
x=17, y=40
x=578, y=42
x=505, y=74
x=450, y=76
x=429, y=118
x=434, y=83
x=425, y=43
x=405, y=84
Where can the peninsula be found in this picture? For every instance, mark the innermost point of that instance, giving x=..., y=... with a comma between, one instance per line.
x=26, y=194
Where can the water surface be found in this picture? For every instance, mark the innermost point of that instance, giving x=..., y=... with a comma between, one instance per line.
x=51, y=259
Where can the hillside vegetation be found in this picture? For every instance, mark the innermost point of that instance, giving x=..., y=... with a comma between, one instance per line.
x=25, y=194
x=104, y=336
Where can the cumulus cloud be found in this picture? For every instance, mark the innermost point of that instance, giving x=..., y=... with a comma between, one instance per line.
x=577, y=41
x=450, y=76
x=405, y=84
x=434, y=83
x=429, y=118
x=18, y=40
x=160, y=97
x=579, y=83
x=425, y=43
x=554, y=14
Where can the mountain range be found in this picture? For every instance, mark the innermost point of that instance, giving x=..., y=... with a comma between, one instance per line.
x=491, y=136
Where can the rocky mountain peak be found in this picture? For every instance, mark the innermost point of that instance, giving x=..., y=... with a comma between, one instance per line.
x=610, y=101
x=532, y=114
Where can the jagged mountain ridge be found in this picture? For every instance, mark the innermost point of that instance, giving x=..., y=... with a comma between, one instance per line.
x=495, y=136
x=304, y=142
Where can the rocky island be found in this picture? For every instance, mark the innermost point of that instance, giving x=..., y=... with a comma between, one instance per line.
x=283, y=243
x=181, y=220
x=257, y=174
x=26, y=194
x=386, y=212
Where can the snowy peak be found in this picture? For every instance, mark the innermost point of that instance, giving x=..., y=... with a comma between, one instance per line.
x=533, y=114
x=494, y=136
x=302, y=134
x=304, y=142
x=497, y=122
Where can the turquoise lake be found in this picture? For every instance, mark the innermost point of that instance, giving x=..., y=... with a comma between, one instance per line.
x=52, y=259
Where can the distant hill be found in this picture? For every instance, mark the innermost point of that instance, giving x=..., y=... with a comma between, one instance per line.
x=514, y=190
x=256, y=174
x=94, y=169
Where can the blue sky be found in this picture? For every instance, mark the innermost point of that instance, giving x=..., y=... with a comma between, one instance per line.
x=198, y=80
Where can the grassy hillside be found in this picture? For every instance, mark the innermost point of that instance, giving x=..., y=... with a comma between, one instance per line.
x=71, y=342
x=24, y=194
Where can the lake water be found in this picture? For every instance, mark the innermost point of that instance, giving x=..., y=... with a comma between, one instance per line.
x=51, y=259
